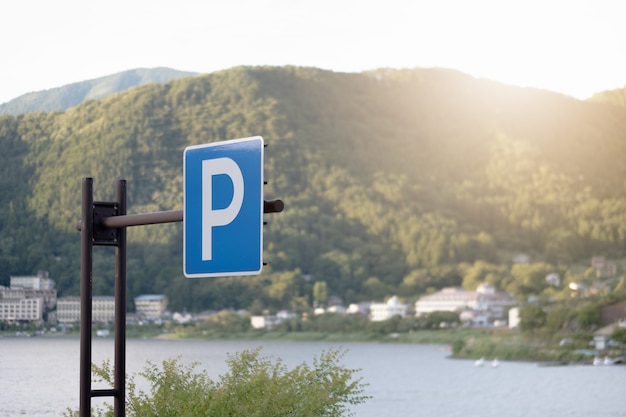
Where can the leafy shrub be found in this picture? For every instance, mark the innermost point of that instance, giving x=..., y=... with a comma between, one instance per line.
x=254, y=386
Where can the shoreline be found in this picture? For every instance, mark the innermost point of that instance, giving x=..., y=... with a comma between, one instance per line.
x=461, y=344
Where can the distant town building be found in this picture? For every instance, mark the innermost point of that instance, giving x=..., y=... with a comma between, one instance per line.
x=385, y=311
x=268, y=322
x=29, y=298
x=182, y=318
x=38, y=286
x=603, y=267
x=514, y=319
x=41, y=281
x=483, y=306
x=600, y=341
x=362, y=308
x=521, y=258
x=151, y=306
x=102, y=309
x=68, y=310
x=16, y=307
x=553, y=279
x=337, y=309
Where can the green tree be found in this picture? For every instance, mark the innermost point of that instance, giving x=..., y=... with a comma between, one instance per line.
x=530, y=278
x=483, y=272
x=619, y=335
x=588, y=317
x=320, y=293
x=226, y=321
x=374, y=288
x=437, y=319
x=532, y=317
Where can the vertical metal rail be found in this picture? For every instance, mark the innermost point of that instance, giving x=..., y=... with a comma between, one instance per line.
x=120, y=307
x=86, y=263
x=94, y=232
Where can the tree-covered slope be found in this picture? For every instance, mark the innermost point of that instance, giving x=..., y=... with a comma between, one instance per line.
x=62, y=98
x=615, y=97
x=394, y=181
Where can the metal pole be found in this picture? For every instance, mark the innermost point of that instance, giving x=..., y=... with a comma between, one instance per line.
x=119, y=407
x=86, y=239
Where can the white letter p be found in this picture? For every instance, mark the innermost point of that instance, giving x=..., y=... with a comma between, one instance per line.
x=219, y=217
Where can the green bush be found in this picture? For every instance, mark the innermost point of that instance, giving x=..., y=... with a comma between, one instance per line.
x=619, y=335
x=254, y=386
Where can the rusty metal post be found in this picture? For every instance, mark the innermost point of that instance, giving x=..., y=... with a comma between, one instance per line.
x=86, y=269
x=119, y=407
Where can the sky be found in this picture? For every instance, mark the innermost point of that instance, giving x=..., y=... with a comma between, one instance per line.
x=574, y=47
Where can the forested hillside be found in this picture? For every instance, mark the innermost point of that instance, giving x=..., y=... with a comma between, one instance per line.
x=62, y=98
x=395, y=182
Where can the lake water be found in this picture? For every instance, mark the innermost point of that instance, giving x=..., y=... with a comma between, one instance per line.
x=39, y=377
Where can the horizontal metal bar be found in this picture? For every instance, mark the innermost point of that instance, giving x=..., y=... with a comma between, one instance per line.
x=172, y=216
x=143, y=219
x=104, y=393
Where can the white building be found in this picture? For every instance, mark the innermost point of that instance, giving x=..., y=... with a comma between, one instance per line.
x=264, y=322
x=102, y=309
x=29, y=298
x=15, y=306
x=362, y=308
x=41, y=281
x=553, y=279
x=268, y=321
x=182, y=318
x=151, y=306
x=481, y=307
x=514, y=319
x=68, y=310
x=448, y=299
x=384, y=311
x=336, y=309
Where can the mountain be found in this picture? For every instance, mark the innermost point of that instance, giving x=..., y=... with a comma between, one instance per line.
x=394, y=181
x=62, y=98
x=615, y=97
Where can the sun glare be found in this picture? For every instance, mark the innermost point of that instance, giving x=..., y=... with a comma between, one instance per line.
x=573, y=47
x=559, y=46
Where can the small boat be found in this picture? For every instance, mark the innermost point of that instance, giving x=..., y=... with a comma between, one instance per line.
x=495, y=363
x=480, y=362
x=597, y=361
x=608, y=361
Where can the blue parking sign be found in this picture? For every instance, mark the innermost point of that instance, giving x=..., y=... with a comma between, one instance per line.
x=223, y=208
